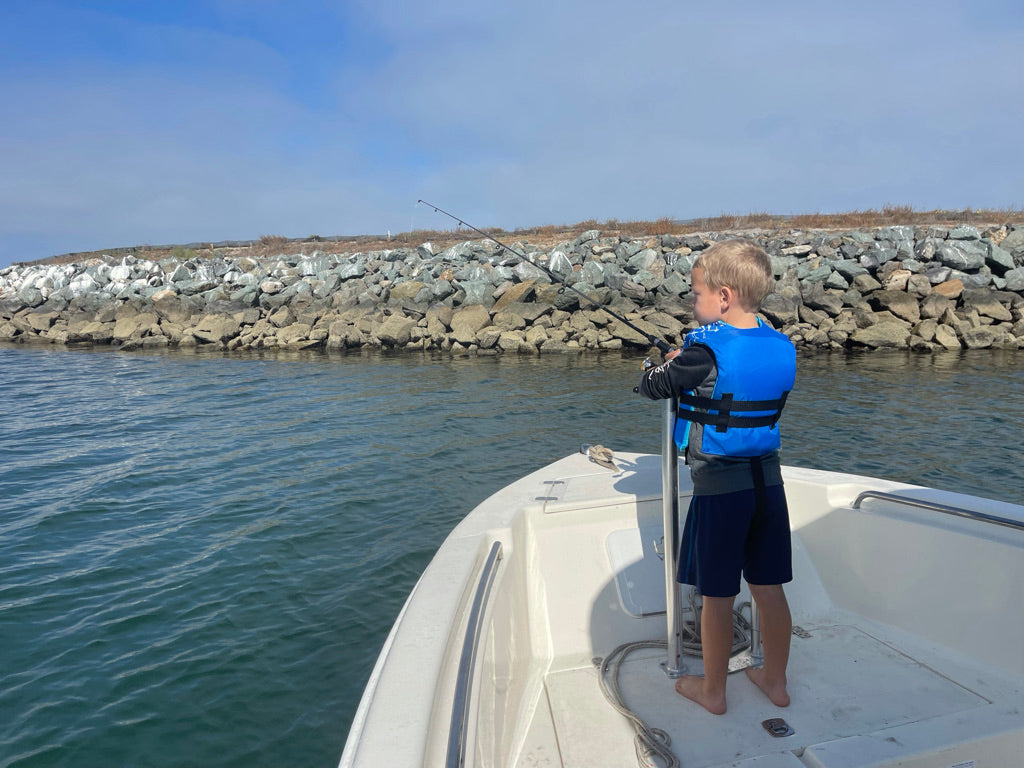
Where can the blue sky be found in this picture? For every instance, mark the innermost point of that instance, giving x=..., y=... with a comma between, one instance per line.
x=126, y=123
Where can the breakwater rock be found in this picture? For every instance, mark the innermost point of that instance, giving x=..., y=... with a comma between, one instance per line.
x=924, y=288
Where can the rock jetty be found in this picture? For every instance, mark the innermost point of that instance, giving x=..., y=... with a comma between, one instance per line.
x=923, y=288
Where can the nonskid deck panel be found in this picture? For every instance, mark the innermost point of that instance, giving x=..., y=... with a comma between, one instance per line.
x=882, y=687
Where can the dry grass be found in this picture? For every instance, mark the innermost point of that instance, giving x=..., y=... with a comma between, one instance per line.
x=550, y=234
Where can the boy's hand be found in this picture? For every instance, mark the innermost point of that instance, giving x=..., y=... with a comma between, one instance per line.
x=671, y=354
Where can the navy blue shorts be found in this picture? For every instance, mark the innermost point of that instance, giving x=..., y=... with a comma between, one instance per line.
x=730, y=534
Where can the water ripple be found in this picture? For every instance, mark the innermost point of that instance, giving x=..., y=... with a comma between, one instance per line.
x=200, y=555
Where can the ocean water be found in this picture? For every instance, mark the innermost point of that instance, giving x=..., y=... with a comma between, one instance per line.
x=201, y=555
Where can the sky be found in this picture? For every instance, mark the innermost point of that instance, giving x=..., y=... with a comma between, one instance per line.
x=128, y=123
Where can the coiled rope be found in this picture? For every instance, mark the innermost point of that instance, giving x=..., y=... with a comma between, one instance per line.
x=653, y=745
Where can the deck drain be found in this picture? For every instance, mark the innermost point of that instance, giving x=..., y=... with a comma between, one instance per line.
x=778, y=727
x=800, y=632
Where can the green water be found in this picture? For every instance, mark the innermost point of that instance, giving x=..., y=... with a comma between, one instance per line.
x=200, y=555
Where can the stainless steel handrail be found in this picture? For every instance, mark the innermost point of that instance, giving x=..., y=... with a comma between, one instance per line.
x=463, y=681
x=674, y=666
x=970, y=514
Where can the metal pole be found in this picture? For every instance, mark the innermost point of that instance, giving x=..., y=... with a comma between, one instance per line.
x=670, y=514
x=756, y=650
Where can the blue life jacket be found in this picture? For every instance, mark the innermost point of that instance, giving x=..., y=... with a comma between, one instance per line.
x=735, y=411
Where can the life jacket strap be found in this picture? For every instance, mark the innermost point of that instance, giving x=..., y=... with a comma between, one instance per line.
x=725, y=408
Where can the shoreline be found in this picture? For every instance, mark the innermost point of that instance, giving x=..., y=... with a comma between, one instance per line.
x=923, y=288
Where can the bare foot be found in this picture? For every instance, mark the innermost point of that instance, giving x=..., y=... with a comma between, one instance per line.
x=775, y=692
x=692, y=687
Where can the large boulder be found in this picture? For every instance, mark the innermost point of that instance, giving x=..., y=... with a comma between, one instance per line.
x=781, y=310
x=467, y=321
x=395, y=331
x=962, y=255
x=518, y=293
x=1015, y=280
x=630, y=336
x=216, y=329
x=900, y=303
x=816, y=297
x=985, y=302
x=884, y=334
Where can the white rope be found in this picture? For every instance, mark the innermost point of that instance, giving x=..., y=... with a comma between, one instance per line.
x=653, y=745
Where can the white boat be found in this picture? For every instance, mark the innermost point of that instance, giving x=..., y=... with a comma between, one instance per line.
x=908, y=647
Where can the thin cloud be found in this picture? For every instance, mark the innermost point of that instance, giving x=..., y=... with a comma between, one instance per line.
x=222, y=120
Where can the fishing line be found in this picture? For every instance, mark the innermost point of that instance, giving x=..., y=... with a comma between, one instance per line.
x=661, y=344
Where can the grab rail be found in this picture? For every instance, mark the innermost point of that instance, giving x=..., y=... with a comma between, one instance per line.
x=460, y=707
x=970, y=514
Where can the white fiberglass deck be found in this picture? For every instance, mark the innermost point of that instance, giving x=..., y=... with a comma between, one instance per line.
x=863, y=692
x=859, y=696
x=908, y=647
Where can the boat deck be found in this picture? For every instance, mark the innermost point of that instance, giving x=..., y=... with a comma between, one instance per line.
x=889, y=689
x=906, y=650
x=877, y=675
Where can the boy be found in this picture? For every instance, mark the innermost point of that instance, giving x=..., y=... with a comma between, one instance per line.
x=732, y=377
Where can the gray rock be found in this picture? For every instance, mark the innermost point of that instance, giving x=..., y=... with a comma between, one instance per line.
x=524, y=271
x=356, y=268
x=959, y=256
x=477, y=292
x=1014, y=243
x=900, y=303
x=442, y=289
x=978, y=279
x=1015, y=279
x=593, y=272
x=964, y=232
x=877, y=254
x=216, y=328
x=985, y=302
x=919, y=285
x=979, y=338
x=554, y=346
x=998, y=260
x=648, y=280
x=836, y=280
x=816, y=297
x=865, y=283
x=851, y=250
x=947, y=337
x=586, y=237
x=396, y=330
x=674, y=285
x=30, y=297
x=467, y=321
x=884, y=334
x=559, y=263
x=628, y=249
x=854, y=299
x=684, y=264
x=797, y=250
x=901, y=237
x=633, y=291
x=642, y=261
x=180, y=274
x=816, y=274
x=782, y=264
x=848, y=268
x=781, y=310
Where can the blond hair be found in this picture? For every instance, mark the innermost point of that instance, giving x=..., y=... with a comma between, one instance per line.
x=740, y=265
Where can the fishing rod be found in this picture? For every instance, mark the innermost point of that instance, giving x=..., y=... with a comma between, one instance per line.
x=660, y=343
